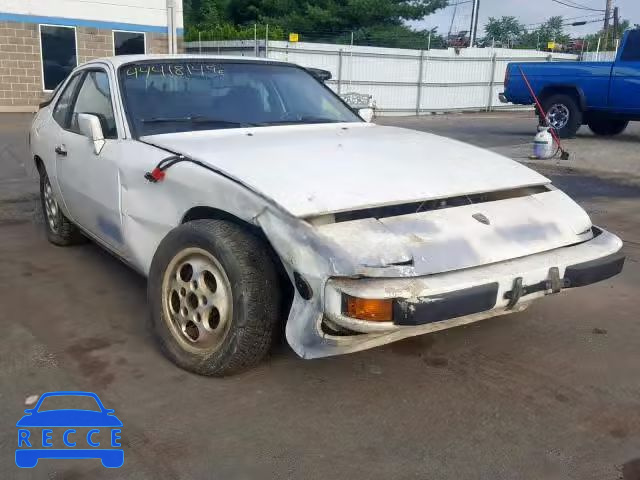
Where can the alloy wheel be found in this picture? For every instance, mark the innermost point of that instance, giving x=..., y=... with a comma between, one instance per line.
x=558, y=116
x=197, y=300
x=50, y=206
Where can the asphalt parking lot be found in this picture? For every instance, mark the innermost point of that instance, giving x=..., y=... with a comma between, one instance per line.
x=551, y=393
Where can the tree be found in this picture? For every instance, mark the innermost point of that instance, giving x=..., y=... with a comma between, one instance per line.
x=613, y=35
x=553, y=31
x=504, y=29
x=200, y=13
x=380, y=22
x=336, y=14
x=550, y=31
x=508, y=31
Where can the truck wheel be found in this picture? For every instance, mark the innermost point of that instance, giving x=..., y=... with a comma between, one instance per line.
x=563, y=114
x=214, y=297
x=60, y=230
x=607, y=128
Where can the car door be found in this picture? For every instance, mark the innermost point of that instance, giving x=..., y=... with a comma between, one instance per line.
x=50, y=131
x=624, y=95
x=89, y=181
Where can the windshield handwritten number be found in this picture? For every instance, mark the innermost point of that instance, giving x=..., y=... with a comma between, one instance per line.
x=175, y=70
x=199, y=68
x=158, y=69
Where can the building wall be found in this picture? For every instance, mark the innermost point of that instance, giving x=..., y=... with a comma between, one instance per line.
x=141, y=12
x=20, y=52
x=21, y=64
x=21, y=75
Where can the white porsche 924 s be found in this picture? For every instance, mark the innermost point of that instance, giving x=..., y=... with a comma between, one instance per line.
x=246, y=190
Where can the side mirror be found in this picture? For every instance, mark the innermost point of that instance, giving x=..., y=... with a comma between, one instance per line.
x=29, y=410
x=366, y=114
x=90, y=127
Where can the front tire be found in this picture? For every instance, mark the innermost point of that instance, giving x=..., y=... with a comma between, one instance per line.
x=607, y=128
x=214, y=297
x=563, y=114
x=60, y=230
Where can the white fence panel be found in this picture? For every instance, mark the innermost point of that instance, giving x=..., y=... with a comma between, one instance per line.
x=598, y=56
x=457, y=71
x=453, y=98
x=401, y=81
x=376, y=69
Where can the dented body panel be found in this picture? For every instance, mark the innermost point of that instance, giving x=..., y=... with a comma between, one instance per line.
x=293, y=182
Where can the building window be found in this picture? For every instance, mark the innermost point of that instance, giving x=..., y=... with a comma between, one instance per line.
x=58, y=46
x=128, y=43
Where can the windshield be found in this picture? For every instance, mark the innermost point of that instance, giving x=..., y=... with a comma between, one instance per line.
x=178, y=96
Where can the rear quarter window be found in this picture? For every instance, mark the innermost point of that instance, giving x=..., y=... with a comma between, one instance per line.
x=631, y=52
x=63, y=106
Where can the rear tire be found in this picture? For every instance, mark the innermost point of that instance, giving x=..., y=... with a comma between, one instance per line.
x=606, y=127
x=60, y=230
x=563, y=114
x=214, y=296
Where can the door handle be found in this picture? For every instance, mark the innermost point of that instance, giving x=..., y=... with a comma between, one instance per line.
x=60, y=150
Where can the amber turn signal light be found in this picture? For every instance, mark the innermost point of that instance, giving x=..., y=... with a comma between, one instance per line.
x=368, y=309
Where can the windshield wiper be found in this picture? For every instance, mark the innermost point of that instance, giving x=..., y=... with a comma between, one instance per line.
x=303, y=120
x=196, y=119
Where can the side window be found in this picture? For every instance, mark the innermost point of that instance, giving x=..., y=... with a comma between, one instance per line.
x=62, y=108
x=631, y=52
x=94, y=97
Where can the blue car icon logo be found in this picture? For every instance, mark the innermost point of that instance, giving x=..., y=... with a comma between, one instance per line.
x=69, y=433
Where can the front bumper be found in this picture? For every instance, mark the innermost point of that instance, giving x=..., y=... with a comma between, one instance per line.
x=436, y=302
x=482, y=298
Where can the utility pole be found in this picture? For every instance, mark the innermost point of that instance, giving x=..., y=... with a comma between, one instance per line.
x=616, y=23
x=607, y=18
x=473, y=30
x=453, y=19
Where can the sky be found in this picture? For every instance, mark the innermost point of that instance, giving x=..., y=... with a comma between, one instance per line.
x=528, y=12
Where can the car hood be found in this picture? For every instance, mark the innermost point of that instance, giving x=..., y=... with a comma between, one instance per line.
x=69, y=418
x=312, y=170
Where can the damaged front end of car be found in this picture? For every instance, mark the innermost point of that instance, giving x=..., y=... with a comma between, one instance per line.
x=370, y=277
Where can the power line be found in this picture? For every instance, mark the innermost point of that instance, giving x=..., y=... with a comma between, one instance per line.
x=581, y=17
x=577, y=6
x=458, y=3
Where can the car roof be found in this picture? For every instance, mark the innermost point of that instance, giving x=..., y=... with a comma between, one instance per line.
x=118, y=61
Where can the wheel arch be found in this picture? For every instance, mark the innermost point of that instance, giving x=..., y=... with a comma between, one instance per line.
x=574, y=91
x=202, y=212
x=39, y=164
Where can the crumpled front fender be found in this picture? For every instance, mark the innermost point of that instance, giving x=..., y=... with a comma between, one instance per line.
x=316, y=259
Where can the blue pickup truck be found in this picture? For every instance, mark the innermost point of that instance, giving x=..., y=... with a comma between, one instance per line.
x=603, y=95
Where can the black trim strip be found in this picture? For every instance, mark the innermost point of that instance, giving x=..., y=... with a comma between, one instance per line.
x=586, y=273
x=445, y=306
